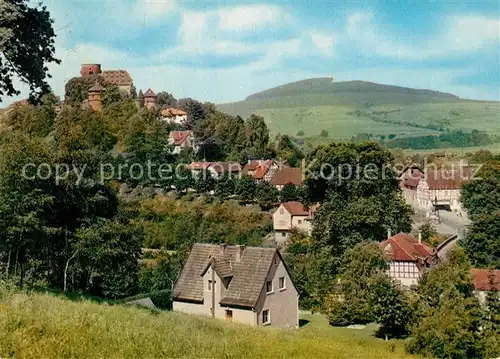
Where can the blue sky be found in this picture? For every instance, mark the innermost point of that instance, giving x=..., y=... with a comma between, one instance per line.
x=223, y=51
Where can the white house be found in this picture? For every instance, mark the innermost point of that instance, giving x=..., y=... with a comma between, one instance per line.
x=174, y=115
x=181, y=140
x=248, y=285
x=289, y=216
x=408, y=257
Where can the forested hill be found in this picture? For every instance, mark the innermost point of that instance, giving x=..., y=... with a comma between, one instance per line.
x=324, y=91
x=326, y=85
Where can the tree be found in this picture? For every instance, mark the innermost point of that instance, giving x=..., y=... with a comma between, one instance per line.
x=77, y=88
x=257, y=136
x=449, y=315
x=195, y=110
x=300, y=133
x=267, y=195
x=323, y=133
x=112, y=95
x=165, y=99
x=390, y=307
x=245, y=188
x=289, y=152
x=27, y=46
x=288, y=193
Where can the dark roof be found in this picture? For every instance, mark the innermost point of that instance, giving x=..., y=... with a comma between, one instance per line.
x=248, y=274
x=405, y=247
x=287, y=175
x=117, y=77
x=149, y=93
x=486, y=279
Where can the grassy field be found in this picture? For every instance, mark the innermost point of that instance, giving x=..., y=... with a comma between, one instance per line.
x=42, y=326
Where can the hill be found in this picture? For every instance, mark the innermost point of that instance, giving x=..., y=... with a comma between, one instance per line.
x=43, y=326
x=346, y=109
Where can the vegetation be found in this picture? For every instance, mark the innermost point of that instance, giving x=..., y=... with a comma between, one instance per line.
x=39, y=325
x=27, y=47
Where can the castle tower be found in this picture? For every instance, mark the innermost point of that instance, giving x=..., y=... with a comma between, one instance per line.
x=150, y=99
x=94, y=94
x=87, y=70
x=139, y=100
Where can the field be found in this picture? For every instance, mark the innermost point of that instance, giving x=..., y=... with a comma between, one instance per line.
x=346, y=109
x=42, y=326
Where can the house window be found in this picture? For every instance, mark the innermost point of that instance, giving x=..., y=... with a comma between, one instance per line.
x=283, y=234
x=266, y=318
x=269, y=286
x=211, y=284
x=282, y=211
x=299, y=221
x=282, y=283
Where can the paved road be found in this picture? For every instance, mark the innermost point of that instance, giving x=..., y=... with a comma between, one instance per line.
x=451, y=223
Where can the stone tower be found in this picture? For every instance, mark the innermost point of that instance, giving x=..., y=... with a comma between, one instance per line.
x=150, y=99
x=94, y=94
x=139, y=100
x=87, y=70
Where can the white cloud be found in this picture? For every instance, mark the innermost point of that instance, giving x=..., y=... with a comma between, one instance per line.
x=249, y=17
x=153, y=10
x=461, y=34
x=323, y=42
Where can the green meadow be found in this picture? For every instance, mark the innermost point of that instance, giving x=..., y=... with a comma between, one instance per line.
x=46, y=326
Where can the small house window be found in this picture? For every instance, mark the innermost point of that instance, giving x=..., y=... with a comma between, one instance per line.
x=283, y=234
x=282, y=211
x=211, y=285
x=269, y=286
x=282, y=283
x=266, y=319
x=300, y=221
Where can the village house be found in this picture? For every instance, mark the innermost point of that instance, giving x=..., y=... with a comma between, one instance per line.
x=181, y=140
x=216, y=169
x=434, y=189
x=260, y=170
x=485, y=281
x=174, y=115
x=408, y=257
x=289, y=216
x=241, y=284
x=286, y=175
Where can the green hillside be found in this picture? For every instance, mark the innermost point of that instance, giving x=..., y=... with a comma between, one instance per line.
x=346, y=109
x=42, y=326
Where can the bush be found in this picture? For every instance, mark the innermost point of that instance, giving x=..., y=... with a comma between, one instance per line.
x=323, y=133
x=300, y=133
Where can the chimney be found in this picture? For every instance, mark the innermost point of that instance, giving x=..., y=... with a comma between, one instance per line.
x=239, y=252
x=419, y=236
x=389, y=234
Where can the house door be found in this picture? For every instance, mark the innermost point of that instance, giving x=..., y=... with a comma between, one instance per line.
x=229, y=315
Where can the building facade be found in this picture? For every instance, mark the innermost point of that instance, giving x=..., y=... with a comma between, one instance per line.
x=291, y=216
x=249, y=285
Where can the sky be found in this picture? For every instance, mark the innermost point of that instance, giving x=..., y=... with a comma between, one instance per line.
x=224, y=51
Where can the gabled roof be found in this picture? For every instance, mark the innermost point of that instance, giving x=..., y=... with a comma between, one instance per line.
x=287, y=175
x=149, y=93
x=260, y=168
x=117, y=77
x=178, y=137
x=405, y=247
x=443, y=179
x=296, y=208
x=486, y=279
x=248, y=274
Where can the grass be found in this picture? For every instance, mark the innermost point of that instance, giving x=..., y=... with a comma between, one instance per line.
x=40, y=326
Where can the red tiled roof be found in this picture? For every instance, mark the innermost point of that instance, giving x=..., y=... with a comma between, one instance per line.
x=179, y=136
x=170, y=112
x=486, y=279
x=260, y=167
x=287, y=175
x=117, y=77
x=296, y=208
x=448, y=179
x=405, y=247
x=149, y=93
